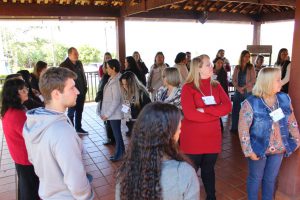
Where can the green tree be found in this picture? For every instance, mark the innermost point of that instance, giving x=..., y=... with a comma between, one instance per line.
x=88, y=54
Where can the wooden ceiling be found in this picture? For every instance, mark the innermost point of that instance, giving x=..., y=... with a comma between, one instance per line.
x=231, y=10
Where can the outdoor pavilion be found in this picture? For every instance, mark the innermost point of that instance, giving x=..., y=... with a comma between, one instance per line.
x=254, y=11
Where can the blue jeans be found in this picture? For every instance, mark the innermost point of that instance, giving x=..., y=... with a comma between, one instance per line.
x=263, y=171
x=120, y=147
x=238, y=98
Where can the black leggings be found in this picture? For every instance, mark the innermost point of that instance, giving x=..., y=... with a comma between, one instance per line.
x=28, y=182
x=207, y=164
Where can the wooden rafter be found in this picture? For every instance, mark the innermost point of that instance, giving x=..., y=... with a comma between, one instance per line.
x=235, y=7
x=148, y=5
x=291, y=3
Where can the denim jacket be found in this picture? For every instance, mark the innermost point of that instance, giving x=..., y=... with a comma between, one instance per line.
x=261, y=127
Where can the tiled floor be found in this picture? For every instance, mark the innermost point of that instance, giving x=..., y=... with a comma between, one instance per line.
x=231, y=167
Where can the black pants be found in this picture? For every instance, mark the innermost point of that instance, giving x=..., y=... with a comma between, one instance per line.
x=129, y=125
x=109, y=132
x=28, y=183
x=207, y=164
x=77, y=111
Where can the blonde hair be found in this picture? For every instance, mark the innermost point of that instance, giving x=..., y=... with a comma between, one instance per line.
x=172, y=76
x=264, y=82
x=194, y=76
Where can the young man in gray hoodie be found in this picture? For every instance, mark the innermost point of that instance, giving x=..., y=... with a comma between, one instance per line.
x=53, y=145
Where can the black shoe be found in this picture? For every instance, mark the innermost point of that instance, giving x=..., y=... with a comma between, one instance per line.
x=80, y=131
x=109, y=142
x=113, y=159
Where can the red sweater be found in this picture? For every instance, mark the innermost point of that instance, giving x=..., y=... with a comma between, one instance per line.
x=12, y=123
x=201, y=132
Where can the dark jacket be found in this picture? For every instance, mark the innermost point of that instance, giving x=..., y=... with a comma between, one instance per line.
x=222, y=78
x=34, y=82
x=144, y=100
x=80, y=82
x=102, y=83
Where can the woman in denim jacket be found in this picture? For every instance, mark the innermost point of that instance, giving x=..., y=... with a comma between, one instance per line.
x=268, y=131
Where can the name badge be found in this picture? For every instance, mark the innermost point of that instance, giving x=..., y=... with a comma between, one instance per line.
x=277, y=115
x=209, y=100
x=125, y=108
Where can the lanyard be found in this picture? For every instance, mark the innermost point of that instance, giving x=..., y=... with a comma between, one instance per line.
x=204, y=94
x=268, y=106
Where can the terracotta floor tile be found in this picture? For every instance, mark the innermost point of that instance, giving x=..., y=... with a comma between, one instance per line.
x=235, y=194
x=104, y=190
x=97, y=182
x=108, y=197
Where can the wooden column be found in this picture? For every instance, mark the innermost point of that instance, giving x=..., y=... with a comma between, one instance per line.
x=121, y=49
x=256, y=33
x=256, y=36
x=289, y=181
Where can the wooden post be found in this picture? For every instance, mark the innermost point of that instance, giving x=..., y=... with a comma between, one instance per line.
x=256, y=33
x=121, y=49
x=289, y=181
x=256, y=36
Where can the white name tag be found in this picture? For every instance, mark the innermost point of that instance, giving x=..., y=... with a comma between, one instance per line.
x=277, y=115
x=125, y=108
x=209, y=100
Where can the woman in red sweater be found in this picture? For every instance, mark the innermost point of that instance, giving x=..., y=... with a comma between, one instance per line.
x=14, y=94
x=203, y=102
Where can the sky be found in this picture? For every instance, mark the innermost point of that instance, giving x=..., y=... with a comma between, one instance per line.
x=148, y=37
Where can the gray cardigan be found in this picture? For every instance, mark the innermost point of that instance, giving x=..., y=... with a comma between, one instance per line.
x=112, y=99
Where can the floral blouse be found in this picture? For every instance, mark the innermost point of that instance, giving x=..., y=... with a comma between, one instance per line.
x=275, y=146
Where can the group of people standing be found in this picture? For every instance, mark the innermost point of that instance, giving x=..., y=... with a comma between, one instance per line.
x=170, y=139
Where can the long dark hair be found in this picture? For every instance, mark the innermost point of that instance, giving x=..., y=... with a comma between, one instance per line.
x=152, y=139
x=132, y=65
x=10, y=95
x=279, y=61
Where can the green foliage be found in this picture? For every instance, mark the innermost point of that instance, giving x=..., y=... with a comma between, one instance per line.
x=88, y=54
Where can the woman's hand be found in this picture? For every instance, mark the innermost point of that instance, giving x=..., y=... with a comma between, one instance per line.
x=200, y=110
x=253, y=156
x=104, y=118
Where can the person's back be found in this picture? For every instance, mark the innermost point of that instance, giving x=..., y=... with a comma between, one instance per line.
x=153, y=167
x=179, y=181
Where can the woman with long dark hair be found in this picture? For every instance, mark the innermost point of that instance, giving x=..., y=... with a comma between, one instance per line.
x=38, y=69
x=135, y=97
x=140, y=63
x=243, y=80
x=131, y=66
x=153, y=167
x=14, y=94
x=284, y=64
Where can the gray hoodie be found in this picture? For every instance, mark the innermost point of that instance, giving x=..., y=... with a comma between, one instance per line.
x=54, y=149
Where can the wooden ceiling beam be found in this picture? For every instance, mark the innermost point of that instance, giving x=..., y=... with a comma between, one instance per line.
x=289, y=15
x=291, y=3
x=163, y=14
x=12, y=10
x=148, y=5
